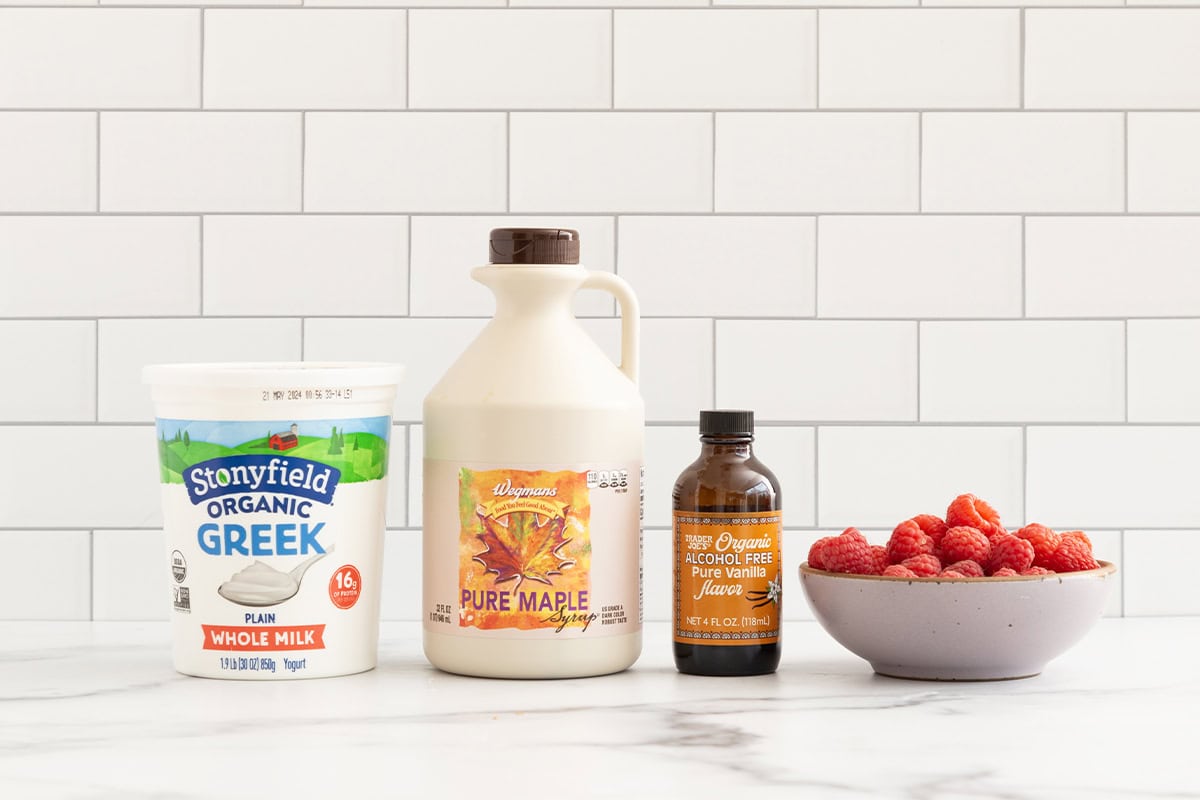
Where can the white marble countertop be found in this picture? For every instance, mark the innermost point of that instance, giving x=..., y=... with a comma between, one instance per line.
x=94, y=710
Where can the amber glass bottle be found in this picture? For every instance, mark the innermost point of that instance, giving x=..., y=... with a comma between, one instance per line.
x=728, y=574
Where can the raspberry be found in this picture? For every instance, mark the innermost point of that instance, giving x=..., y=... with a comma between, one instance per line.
x=849, y=553
x=899, y=571
x=926, y=566
x=1078, y=535
x=879, y=558
x=814, y=553
x=1010, y=552
x=966, y=568
x=1044, y=541
x=1037, y=571
x=1005, y=572
x=908, y=540
x=963, y=543
x=1073, y=555
x=949, y=573
x=969, y=510
x=934, y=527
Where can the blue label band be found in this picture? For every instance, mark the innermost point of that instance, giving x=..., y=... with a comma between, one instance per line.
x=218, y=477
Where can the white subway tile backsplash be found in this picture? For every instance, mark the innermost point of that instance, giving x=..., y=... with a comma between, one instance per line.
x=787, y=451
x=811, y=162
x=33, y=557
x=533, y=58
x=719, y=266
x=47, y=161
x=131, y=576
x=1112, y=266
x=201, y=161
x=657, y=574
x=52, y=369
x=431, y=162
x=117, y=484
x=810, y=370
x=1164, y=385
x=676, y=378
x=446, y=249
x=878, y=476
x=304, y=58
x=676, y=368
x=1023, y=162
x=1113, y=476
x=718, y=59
x=1112, y=58
x=1156, y=585
x=401, y=590
x=919, y=266
x=397, y=491
x=99, y=266
x=837, y=213
x=633, y=162
x=426, y=348
x=944, y=58
x=1037, y=371
x=416, y=483
x=301, y=265
x=1164, y=162
x=127, y=345
x=99, y=58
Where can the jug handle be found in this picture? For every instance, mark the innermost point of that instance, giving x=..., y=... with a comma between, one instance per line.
x=627, y=300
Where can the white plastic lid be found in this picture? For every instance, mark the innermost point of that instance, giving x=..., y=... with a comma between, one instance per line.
x=296, y=374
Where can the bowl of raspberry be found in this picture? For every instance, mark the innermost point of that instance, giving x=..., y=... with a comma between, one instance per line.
x=958, y=598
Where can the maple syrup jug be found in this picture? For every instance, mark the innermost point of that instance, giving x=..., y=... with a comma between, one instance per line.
x=532, y=535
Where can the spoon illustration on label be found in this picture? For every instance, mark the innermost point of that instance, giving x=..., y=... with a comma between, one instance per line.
x=262, y=585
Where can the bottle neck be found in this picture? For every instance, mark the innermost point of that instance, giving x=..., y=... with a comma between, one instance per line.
x=727, y=444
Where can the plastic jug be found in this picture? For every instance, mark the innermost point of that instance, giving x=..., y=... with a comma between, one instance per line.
x=533, y=479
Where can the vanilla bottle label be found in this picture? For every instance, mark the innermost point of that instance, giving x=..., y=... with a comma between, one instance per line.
x=728, y=587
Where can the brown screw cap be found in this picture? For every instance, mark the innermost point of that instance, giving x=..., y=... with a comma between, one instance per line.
x=534, y=246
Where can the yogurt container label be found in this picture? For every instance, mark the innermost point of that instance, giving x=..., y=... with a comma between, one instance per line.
x=274, y=533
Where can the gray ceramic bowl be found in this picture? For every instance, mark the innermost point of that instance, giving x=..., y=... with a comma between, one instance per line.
x=955, y=629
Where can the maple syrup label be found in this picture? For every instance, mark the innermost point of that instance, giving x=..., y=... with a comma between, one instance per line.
x=532, y=552
x=728, y=587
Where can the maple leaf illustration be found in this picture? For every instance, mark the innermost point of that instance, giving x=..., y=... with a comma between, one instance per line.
x=523, y=548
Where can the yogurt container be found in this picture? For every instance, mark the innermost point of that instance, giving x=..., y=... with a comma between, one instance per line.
x=274, y=486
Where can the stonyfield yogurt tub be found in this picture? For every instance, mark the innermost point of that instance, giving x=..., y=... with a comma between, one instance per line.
x=274, y=485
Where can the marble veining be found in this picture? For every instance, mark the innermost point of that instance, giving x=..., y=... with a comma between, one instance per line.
x=93, y=710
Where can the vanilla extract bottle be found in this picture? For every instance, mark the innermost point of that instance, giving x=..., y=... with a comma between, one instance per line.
x=728, y=525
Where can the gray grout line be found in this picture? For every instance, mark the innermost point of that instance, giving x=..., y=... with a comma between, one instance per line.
x=97, y=162
x=1021, y=61
x=701, y=6
x=285, y=212
x=1024, y=474
x=303, y=157
x=1024, y=271
x=817, y=476
x=200, y=227
x=96, y=374
x=712, y=165
x=907, y=423
x=601, y=109
x=612, y=59
x=1125, y=156
x=1126, y=370
x=920, y=161
x=667, y=317
x=408, y=278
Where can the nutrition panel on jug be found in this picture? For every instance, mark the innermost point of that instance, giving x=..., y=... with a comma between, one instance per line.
x=533, y=479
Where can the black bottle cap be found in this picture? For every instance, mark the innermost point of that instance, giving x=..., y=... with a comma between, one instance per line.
x=533, y=246
x=725, y=422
